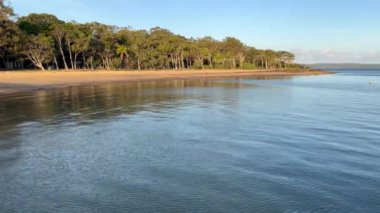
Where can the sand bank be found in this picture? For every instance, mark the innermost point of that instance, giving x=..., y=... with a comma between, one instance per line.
x=19, y=81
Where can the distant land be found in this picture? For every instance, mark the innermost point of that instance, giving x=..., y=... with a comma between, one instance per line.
x=343, y=66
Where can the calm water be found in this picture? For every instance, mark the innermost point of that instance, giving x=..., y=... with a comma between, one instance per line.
x=302, y=144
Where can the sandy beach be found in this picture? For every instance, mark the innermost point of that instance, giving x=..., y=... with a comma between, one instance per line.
x=19, y=81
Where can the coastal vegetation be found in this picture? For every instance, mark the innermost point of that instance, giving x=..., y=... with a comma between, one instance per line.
x=43, y=41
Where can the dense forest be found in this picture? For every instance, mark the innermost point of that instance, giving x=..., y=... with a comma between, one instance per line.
x=45, y=42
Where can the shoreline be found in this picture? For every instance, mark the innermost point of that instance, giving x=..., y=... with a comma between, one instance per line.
x=24, y=81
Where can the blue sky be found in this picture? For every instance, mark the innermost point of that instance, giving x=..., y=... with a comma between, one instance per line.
x=316, y=30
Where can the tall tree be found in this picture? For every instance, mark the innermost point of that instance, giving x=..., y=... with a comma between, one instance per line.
x=81, y=38
x=122, y=51
x=285, y=58
x=209, y=47
x=70, y=37
x=59, y=33
x=9, y=34
x=38, y=49
x=37, y=42
x=139, y=46
x=236, y=50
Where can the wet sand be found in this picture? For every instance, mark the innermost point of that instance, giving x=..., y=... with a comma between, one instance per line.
x=19, y=81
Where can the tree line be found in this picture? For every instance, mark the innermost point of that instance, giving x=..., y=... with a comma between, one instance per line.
x=43, y=41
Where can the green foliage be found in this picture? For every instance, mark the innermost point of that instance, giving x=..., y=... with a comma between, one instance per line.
x=247, y=66
x=37, y=23
x=9, y=34
x=46, y=40
x=6, y=12
x=38, y=49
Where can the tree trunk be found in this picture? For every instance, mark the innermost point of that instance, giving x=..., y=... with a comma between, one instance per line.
x=71, y=57
x=84, y=61
x=138, y=64
x=75, y=60
x=241, y=62
x=121, y=61
x=201, y=60
x=127, y=62
x=104, y=62
x=41, y=67
x=36, y=61
x=91, y=63
x=62, y=53
x=188, y=63
x=182, y=60
x=179, y=62
x=56, y=63
x=173, y=62
x=234, y=65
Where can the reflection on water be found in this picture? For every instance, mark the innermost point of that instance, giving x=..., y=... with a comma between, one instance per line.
x=234, y=145
x=99, y=101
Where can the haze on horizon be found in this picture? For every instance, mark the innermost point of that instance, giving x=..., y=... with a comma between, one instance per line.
x=316, y=31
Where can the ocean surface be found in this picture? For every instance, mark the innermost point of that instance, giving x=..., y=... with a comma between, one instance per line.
x=298, y=144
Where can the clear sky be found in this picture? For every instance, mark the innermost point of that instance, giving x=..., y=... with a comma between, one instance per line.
x=316, y=30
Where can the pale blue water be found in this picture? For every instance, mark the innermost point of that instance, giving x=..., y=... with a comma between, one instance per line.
x=302, y=144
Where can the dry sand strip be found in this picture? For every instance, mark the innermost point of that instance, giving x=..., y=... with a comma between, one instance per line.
x=20, y=81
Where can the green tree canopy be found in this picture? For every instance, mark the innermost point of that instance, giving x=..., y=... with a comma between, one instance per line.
x=43, y=40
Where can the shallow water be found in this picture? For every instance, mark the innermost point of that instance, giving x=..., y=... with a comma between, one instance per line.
x=301, y=144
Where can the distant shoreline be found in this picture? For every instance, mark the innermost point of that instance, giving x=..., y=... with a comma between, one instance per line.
x=325, y=66
x=23, y=81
